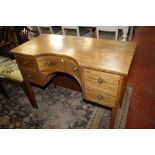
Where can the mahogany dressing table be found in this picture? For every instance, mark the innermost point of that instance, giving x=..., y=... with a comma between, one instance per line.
x=100, y=66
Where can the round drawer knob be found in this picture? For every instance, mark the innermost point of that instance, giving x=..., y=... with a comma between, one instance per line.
x=30, y=76
x=49, y=63
x=100, y=96
x=76, y=68
x=25, y=62
x=100, y=80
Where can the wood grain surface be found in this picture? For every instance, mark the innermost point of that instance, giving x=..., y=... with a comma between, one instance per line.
x=108, y=55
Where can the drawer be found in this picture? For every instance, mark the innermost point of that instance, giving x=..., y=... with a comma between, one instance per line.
x=101, y=87
x=24, y=62
x=47, y=63
x=56, y=63
x=100, y=97
x=70, y=66
x=31, y=76
x=100, y=78
x=111, y=90
x=53, y=64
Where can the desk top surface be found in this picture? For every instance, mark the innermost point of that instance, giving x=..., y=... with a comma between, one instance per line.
x=107, y=55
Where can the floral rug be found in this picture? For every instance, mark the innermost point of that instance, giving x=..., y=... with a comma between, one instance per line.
x=59, y=108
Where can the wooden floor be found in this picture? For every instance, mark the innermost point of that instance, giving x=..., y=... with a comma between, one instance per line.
x=141, y=79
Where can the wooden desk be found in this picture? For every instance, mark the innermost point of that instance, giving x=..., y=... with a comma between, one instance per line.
x=100, y=66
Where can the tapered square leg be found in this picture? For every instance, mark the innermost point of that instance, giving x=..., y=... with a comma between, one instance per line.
x=30, y=94
x=113, y=117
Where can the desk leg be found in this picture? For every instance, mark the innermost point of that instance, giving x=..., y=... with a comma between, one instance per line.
x=121, y=90
x=113, y=117
x=30, y=94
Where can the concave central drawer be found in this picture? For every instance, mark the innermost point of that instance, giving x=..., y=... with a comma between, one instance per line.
x=46, y=63
x=59, y=64
x=101, y=87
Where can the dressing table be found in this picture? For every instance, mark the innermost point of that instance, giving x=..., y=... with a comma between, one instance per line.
x=100, y=66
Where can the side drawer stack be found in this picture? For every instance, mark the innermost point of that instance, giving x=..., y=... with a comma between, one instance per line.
x=101, y=87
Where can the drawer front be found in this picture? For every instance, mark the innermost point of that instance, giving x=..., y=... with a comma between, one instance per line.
x=100, y=97
x=112, y=89
x=101, y=78
x=31, y=76
x=47, y=63
x=71, y=67
x=58, y=64
x=28, y=63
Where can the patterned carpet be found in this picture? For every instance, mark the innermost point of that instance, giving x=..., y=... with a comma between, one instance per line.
x=59, y=108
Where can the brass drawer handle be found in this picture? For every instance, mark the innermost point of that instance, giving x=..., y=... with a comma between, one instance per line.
x=100, y=80
x=76, y=68
x=25, y=62
x=100, y=96
x=30, y=76
x=49, y=63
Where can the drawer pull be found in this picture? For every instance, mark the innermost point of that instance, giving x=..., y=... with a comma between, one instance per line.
x=30, y=76
x=49, y=63
x=100, y=96
x=75, y=68
x=25, y=62
x=100, y=80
